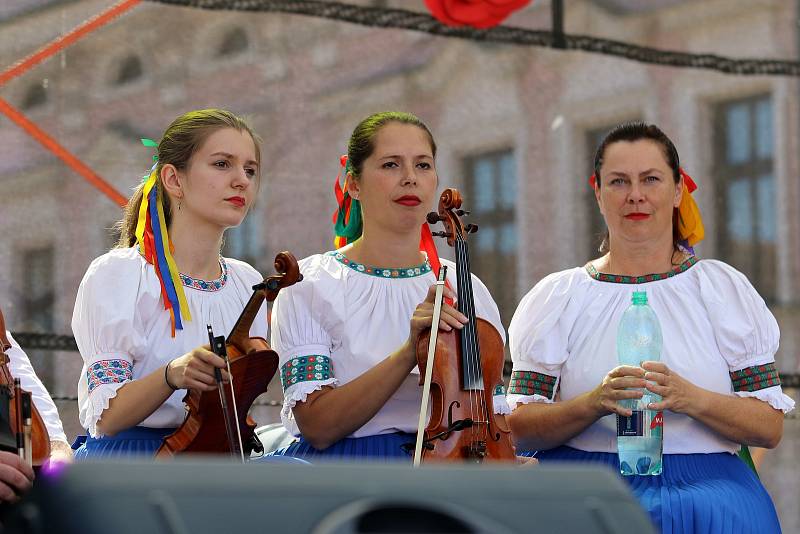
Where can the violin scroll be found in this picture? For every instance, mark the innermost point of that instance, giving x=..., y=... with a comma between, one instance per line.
x=450, y=214
x=288, y=274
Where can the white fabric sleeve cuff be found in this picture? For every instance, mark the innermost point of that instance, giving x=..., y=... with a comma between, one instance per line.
x=501, y=405
x=298, y=393
x=774, y=396
x=99, y=399
x=751, y=361
x=514, y=400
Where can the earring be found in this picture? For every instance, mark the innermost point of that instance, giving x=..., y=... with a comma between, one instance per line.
x=179, y=204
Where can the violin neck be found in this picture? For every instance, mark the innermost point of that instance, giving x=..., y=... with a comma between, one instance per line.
x=472, y=376
x=241, y=330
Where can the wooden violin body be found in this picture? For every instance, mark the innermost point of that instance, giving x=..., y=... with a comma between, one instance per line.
x=468, y=365
x=203, y=430
x=40, y=439
x=252, y=365
x=489, y=439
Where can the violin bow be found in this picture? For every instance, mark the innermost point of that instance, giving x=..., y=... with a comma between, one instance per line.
x=218, y=347
x=426, y=386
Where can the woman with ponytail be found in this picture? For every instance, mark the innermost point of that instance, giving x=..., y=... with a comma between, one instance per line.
x=142, y=309
x=347, y=333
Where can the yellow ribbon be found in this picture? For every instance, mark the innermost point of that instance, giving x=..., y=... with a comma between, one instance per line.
x=690, y=222
x=173, y=268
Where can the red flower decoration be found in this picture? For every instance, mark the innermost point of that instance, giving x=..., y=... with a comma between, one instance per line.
x=475, y=13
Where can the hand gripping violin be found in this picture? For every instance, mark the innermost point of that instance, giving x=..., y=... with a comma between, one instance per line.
x=467, y=366
x=217, y=421
x=22, y=429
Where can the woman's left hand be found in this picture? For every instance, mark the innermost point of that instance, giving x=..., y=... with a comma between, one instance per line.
x=678, y=394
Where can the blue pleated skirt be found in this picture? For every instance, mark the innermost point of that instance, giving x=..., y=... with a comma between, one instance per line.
x=381, y=448
x=696, y=493
x=138, y=441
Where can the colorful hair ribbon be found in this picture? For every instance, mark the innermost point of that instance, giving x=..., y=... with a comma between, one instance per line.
x=347, y=221
x=690, y=222
x=156, y=247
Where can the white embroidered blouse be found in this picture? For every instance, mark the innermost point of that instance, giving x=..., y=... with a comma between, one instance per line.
x=343, y=319
x=717, y=331
x=123, y=331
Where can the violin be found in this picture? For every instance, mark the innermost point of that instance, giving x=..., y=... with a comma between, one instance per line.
x=467, y=366
x=23, y=430
x=217, y=421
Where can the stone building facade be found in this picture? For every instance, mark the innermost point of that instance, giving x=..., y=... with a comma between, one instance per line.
x=516, y=129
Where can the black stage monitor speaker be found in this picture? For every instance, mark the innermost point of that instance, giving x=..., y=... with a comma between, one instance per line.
x=196, y=497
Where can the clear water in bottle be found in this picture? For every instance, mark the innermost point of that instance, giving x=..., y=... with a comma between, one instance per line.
x=640, y=436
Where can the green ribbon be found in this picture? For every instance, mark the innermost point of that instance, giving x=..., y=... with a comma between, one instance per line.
x=744, y=455
x=152, y=144
x=352, y=230
x=355, y=225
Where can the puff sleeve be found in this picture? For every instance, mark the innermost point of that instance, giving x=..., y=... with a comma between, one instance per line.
x=538, y=339
x=107, y=330
x=746, y=333
x=302, y=320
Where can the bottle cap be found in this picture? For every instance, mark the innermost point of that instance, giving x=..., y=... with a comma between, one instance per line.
x=639, y=298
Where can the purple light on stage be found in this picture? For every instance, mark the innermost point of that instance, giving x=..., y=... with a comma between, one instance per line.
x=53, y=468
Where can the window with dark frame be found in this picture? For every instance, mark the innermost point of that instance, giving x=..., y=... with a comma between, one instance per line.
x=490, y=195
x=745, y=184
x=130, y=69
x=234, y=42
x=35, y=96
x=595, y=225
x=242, y=241
x=38, y=303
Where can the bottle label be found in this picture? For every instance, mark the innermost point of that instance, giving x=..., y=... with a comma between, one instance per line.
x=630, y=426
x=641, y=423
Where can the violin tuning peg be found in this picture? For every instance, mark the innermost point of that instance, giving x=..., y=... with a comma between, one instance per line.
x=471, y=228
x=440, y=234
x=433, y=217
x=461, y=213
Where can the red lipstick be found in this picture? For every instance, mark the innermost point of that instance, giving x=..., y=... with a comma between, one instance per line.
x=637, y=216
x=408, y=200
x=236, y=201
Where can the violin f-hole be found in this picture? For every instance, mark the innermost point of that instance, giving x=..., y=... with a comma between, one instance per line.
x=450, y=413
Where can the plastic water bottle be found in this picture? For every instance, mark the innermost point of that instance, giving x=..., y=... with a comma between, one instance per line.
x=640, y=436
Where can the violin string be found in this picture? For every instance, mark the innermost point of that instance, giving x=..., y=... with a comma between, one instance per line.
x=464, y=338
x=469, y=348
x=475, y=355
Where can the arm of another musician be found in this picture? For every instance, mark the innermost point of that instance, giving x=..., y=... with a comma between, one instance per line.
x=20, y=367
